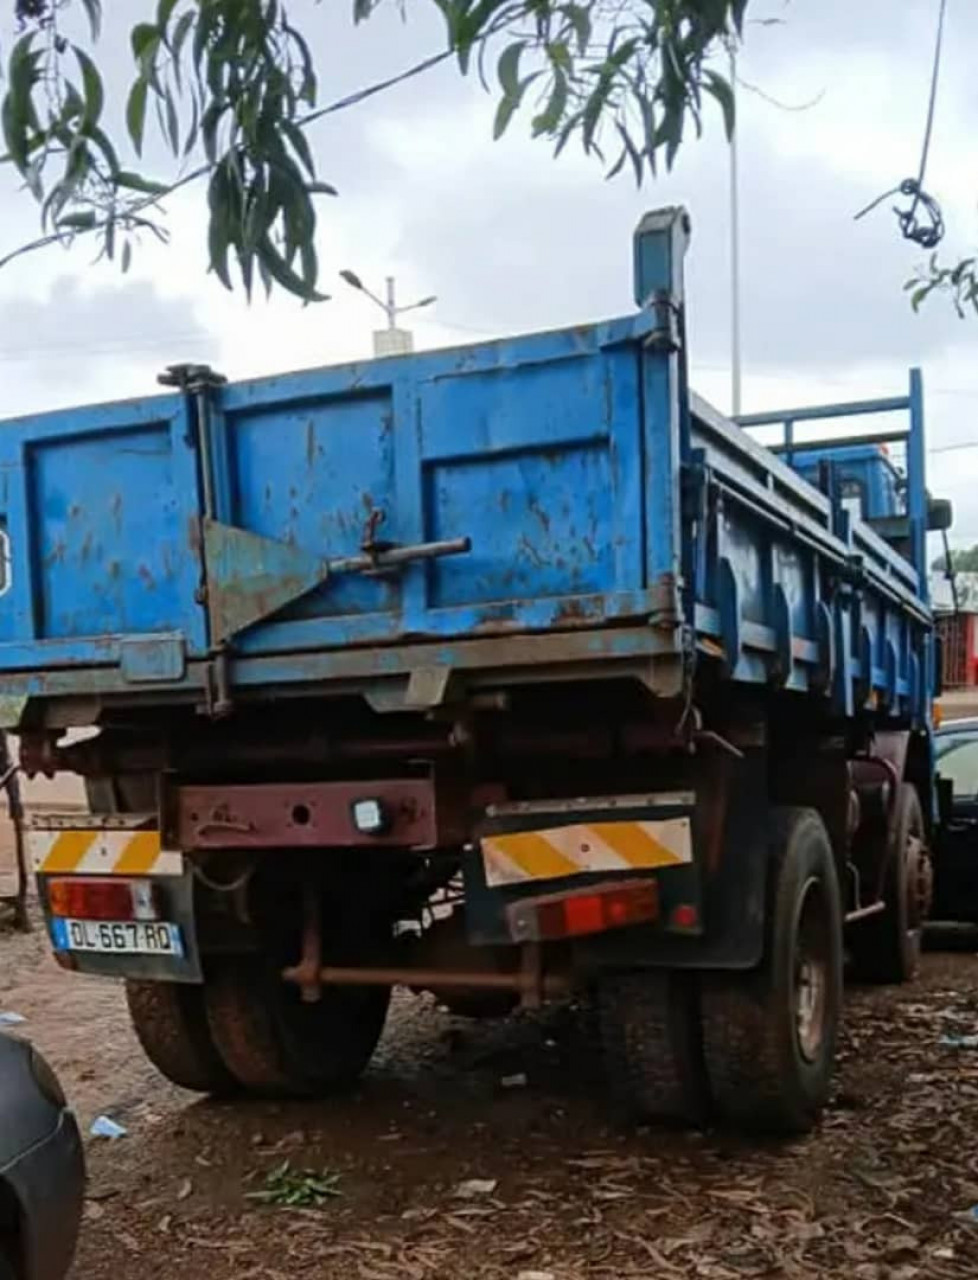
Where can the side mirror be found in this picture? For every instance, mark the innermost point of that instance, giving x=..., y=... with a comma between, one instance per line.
x=940, y=515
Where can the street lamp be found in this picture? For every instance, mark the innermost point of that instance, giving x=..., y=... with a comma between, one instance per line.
x=392, y=340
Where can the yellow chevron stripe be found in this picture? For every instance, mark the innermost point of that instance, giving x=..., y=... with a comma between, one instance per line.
x=114, y=852
x=68, y=850
x=634, y=844
x=139, y=855
x=585, y=847
x=533, y=854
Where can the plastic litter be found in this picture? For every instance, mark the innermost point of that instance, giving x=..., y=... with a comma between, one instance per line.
x=959, y=1042
x=105, y=1127
x=517, y=1081
x=473, y=1187
x=11, y=1019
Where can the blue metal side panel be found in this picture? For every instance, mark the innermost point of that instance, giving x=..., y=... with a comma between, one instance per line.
x=795, y=593
x=101, y=507
x=531, y=448
x=309, y=473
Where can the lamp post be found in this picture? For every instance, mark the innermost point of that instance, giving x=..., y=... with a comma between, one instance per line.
x=735, y=357
x=392, y=340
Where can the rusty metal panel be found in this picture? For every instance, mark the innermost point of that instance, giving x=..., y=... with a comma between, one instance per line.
x=100, y=510
x=306, y=815
x=250, y=577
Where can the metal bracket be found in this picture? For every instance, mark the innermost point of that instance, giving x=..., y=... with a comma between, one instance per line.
x=428, y=687
x=217, y=688
x=250, y=577
x=666, y=332
x=190, y=377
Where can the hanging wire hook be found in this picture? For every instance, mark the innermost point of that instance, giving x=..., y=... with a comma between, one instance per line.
x=927, y=232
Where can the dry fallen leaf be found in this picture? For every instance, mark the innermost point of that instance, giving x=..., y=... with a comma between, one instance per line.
x=473, y=1187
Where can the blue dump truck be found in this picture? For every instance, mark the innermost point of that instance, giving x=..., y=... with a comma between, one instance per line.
x=506, y=672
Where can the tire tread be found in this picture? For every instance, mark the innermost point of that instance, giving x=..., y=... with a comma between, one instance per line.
x=649, y=1040
x=171, y=1024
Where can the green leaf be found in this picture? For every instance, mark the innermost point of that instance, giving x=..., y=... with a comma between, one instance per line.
x=631, y=151
x=144, y=39
x=918, y=295
x=552, y=114
x=307, y=89
x=136, y=182
x=172, y=123
x=15, y=131
x=209, y=123
x=560, y=56
x=504, y=114
x=17, y=104
x=219, y=228
x=580, y=20
x=508, y=69
x=164, y=11
x=723, y=92
x=32, y=176
x=180, y=32
x=73, y=105
x=93, y=11
x=282, y=274
x=321, y=189
x=83, y=221
x=300, y=145
x=194, y=126
x=101, y=140
x=136, y=113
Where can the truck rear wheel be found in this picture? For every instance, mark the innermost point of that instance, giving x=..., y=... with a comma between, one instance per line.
x=274, y=1043
x=170, y=1022
x=651, y=1045
x=886, y=947
x=769, y=1036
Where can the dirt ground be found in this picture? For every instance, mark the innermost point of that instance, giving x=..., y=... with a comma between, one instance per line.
x=881, y=1192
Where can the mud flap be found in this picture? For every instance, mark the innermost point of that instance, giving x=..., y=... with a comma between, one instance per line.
x=724, y=882
x=89, y=852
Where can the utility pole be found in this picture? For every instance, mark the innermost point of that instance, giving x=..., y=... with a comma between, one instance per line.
x=393, y=340
x=735, y=358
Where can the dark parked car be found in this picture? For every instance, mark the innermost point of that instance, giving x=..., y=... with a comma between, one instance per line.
x=956, y=853
x=42, y=1170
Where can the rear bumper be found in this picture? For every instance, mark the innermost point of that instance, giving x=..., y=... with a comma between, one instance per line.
x=49, y=1183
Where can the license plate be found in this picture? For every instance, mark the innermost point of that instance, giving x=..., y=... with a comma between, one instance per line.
x=126, y=937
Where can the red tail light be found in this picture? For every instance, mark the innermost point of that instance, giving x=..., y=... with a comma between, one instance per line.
x=101, y=898
x=685, y=917
x=569, y=915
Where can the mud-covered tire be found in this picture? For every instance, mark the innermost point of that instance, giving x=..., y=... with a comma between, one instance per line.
x=650, y=1045
x=170, y=1022
x=275, y=1044
x=885, y=948
x=769, y=1035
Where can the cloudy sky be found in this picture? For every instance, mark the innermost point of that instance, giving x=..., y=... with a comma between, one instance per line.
x=510, y=240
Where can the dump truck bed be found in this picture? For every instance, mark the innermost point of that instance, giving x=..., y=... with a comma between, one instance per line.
x=540, y=505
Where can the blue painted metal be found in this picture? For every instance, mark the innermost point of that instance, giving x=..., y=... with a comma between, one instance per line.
x=593, y=486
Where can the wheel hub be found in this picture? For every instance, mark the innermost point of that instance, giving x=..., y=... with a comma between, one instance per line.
x=810, y=1007
x=920, y=881
x=811, y=977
